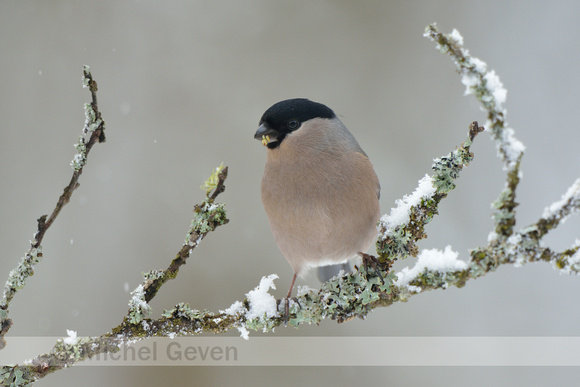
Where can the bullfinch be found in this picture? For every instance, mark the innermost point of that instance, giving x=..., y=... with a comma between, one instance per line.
x=319, y=189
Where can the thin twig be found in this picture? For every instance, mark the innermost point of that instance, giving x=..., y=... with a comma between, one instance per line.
x=96, y=127
x=195, y=235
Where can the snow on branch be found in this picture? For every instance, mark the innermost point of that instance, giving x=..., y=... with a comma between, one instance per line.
x=559, y=211
x=405, y=224
x=486, y=86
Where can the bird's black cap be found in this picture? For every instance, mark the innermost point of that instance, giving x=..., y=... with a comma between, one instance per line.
x=287, y=116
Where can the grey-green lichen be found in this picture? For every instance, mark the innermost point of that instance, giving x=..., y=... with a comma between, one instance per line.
x=15, y=376
x=447, y=168
x=153, y=275
x=139, y=308
x=432, y=279
x=92, y=120
x=184, y=310
x=503, y=213
x=71, y=349
x=86, y=75
x=17, y=277
x=80, y=158
x=206, y=218
x=343, y=298
x=399, y=244
x=262, y=323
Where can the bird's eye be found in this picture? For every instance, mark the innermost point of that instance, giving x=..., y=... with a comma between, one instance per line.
x=293, y=124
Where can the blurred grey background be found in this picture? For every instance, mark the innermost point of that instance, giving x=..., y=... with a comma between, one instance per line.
x=182, y=85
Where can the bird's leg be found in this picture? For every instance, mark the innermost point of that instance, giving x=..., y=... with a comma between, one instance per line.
x=287, y=305
x=371, y=260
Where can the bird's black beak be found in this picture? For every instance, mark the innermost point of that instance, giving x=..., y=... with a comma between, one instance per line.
x=263, y=130
x=265, y=134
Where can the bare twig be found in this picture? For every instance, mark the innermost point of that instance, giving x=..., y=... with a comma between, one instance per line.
x=16, y=280
x=207, y=216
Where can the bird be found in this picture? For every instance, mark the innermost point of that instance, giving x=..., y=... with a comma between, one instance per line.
x=319, y=188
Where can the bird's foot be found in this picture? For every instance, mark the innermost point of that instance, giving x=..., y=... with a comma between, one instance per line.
x=287, y=308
